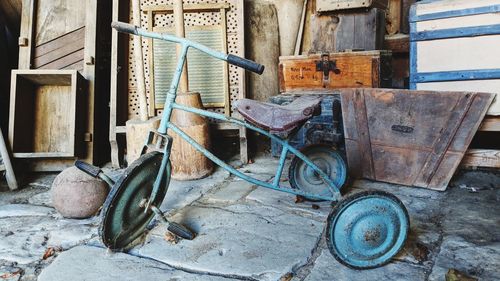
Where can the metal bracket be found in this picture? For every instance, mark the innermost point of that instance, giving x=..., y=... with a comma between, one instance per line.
x=326, y=65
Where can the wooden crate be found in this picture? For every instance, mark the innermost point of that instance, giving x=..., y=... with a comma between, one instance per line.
x=46, y=113
x=454, y=47
x=371, y=69
x=335, y=5
x=415, y=138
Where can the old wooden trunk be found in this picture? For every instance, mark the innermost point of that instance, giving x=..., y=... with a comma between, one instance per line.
x=371, y=69
x=415, y=138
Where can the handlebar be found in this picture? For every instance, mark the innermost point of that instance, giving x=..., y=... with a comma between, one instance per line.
x=232, y=59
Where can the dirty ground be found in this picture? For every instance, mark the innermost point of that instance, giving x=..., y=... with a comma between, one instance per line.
x=250, y=233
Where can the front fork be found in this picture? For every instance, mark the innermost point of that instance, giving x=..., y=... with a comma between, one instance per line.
x=158, y=142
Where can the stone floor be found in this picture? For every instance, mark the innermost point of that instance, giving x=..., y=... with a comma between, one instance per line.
x=250, y=233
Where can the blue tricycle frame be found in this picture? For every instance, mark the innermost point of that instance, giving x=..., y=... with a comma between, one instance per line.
x=364, y=230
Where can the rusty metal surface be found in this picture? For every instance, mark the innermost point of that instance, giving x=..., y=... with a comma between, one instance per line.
x=278, y=118
x=415, y=138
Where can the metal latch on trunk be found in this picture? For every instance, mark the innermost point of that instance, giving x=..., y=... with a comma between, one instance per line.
x=326, y=65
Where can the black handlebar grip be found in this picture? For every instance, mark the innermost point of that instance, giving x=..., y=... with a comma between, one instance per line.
x=246, y=64
x=87, y=168
x=124, y=27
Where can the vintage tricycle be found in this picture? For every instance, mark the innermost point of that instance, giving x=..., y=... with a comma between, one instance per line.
x=364, y=230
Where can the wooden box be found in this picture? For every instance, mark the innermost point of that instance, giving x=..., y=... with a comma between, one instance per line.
x=454, y=46
x=46, y=113
x=415, y=138
x=334, y=5
x=359, y=30
x=370, y=69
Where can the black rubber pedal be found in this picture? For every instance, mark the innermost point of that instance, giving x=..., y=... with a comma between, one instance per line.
x=87, y=168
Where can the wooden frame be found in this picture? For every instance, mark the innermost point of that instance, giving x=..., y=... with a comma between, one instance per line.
x=35, y=129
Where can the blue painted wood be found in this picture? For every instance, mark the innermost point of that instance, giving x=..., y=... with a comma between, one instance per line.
x=460, y=75
x=454, y=32
x=453, y=13
x=413, y=55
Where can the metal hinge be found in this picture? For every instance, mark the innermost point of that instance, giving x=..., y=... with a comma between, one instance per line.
x=326, y=65
x=87, y=137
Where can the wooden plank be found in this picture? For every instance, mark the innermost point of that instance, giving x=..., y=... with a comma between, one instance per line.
x=7, y=165
x=77, y=35
x=65, y=61
x=360, y=31
x=490, y=124
x=335, y=5
x=68, y=48
x=441, y=145
x=481, y=158
x=398, y=43
x=27, y=21
x=393, y=22
x=188, y=8
x=76, y=66
x=364, y=143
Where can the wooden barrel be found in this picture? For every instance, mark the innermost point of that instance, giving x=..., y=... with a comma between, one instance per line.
x=187, y=162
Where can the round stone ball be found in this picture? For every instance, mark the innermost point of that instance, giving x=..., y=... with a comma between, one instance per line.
x=76, y=194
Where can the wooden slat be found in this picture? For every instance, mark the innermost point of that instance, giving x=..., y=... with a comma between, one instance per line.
x=65, y=61
x=76, y=66
x=441, y=146
x=491, y=124
x=69, y=48
x=189, y=8
x=75, y=36
x=398, y=43
x=481, y=158
x=363, y=134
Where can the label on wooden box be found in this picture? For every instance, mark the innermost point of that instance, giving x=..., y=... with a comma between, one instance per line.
x=370, y=69
x=334, y=5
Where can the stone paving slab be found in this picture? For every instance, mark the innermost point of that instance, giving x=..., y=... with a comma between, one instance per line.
x=183, y=193
x=230, y=193
x=84, y=263
x=25, y=239
x=286, y=201
x=248, y=241
x=23, y=210
x=327, y=269
x=481, y=261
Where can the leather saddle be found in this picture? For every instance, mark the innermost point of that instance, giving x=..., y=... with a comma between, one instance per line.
x=278, y=119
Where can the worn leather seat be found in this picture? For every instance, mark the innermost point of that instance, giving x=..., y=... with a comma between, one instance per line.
x=278, y=119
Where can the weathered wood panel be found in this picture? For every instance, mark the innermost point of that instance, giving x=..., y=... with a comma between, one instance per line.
x=350, y=31
x=352, y=69
x=414, y=138
x=481, y=158
x=54, y=18
x=52, y=52
x=335, y=5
